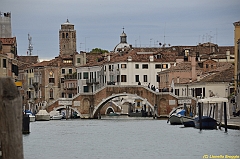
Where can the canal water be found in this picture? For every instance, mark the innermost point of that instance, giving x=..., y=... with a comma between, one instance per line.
x=125, y=138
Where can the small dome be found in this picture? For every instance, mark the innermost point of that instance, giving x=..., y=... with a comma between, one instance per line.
x=67, y=23
x=123, y=34
x=121, y=46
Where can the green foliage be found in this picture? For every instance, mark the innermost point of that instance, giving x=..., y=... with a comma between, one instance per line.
x=98, y=50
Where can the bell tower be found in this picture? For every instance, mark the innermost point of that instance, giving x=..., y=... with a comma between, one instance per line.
x=123, y=37
x=67, y=39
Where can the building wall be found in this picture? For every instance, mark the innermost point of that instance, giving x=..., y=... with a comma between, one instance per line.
x=236, y=38
x=219, y=89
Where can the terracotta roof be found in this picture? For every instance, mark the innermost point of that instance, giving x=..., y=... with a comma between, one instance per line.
x=94, y=59
x=52, y=62
x=220, y=76
x=28, y=59
x=204, y=49
x=8, y=41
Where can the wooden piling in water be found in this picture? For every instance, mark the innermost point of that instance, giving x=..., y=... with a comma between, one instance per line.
x=26, y=124
x=225, y=116
x=10, y=120
x=200, y=115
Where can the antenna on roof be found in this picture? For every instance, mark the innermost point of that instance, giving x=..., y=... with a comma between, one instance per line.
x=30, y=47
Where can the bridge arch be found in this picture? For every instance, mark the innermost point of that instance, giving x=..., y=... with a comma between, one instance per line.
x=64, y=107
x=106, y=100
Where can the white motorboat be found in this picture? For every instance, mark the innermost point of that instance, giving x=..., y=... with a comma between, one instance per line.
x=32, y=117
x=42, y=115
x=55, y=115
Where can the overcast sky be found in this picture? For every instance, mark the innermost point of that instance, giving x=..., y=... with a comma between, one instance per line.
x=99, y=23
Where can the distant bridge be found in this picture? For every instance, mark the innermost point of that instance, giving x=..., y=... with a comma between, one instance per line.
x=91, y=105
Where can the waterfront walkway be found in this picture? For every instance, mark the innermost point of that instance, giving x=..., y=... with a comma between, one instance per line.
x=233, y=123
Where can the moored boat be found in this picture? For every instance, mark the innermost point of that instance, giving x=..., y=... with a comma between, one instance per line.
x=207, y=123
x=55, y=115
x=30, y=115
x=187, y=121
x=42, y=115
x=32, y=118
x=175, y=117
x=113, y=114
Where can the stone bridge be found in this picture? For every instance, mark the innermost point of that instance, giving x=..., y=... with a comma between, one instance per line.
x=91, y=105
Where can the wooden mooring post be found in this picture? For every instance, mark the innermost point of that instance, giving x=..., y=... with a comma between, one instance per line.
x=225, y=115
x=200, y=115
x=11, y=141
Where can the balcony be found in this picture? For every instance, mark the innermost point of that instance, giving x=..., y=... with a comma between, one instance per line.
x=92, y=81
x=110, y=83
x=70, y=76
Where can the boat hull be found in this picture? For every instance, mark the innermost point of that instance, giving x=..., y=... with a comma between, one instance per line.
x=42, y=117
x=32, y=118
x=187, y=121
x=175, y=120
x=59, y=117
x=207, y=123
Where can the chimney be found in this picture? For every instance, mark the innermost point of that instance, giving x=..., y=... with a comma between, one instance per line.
x=228, y=55
x=151, y=59
x=108, y=58
x=193, y=64
x=198, y=78
x=129, y=58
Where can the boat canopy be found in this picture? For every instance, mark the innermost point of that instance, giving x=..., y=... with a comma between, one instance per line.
x=213, y=100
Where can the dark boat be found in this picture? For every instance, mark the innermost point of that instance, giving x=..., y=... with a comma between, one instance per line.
x=187, y=121
x=207, y=123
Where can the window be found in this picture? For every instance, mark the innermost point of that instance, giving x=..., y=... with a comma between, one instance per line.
x=144, y=66
x=85, y=75
x=78, y=60
x=51, y=80
x=136, y=66
x=4, y=63
x=80, y=75
x=165, y=66
x=62, y=95
x=85, y=88
x=51, y=93
x=144, y=78
x=69, y=95
x=177, y=92
x=118, y=78
x=66, y=35
x=70, y=71
x=62, y=80
x=123, y=66
x=136, y=78
x=63, y=71
x=67, y=61
x=157, y=66
x=206, y=65
x=63, y=36
x=123, y=78
x=157, y=78
x=51, y=77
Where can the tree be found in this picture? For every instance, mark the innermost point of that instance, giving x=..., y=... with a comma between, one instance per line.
x=98, y=50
